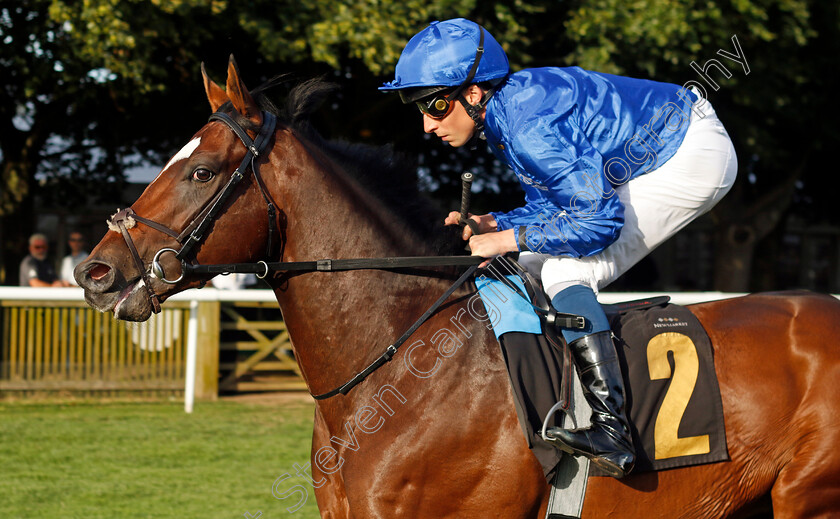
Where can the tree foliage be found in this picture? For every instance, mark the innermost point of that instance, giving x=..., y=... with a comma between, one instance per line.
x=90, y=86
x=769, y=112
x=85, y=80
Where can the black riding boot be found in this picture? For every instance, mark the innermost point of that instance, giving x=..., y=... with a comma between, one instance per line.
x=607, y=442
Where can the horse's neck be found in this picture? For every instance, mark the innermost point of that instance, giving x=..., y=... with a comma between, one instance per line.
x=331, y=214
x=339, y=322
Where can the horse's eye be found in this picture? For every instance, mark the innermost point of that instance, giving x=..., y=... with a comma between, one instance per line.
x=202, y=175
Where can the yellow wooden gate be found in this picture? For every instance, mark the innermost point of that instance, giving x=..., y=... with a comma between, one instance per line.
x=68, y=346
x=256, y=353
x=62, y=345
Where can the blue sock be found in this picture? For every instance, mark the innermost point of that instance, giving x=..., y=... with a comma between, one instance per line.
x=580, y=300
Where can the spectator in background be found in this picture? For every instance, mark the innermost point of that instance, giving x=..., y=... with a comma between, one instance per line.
x=234, y=281
x=35, y=270
x=77, y=254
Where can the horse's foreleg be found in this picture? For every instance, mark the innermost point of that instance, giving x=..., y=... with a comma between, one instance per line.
x=331, y=495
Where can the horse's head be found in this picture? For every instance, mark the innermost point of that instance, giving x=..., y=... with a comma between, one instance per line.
x=195, y=208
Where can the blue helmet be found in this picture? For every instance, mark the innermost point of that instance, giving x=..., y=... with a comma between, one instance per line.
x=444, y=54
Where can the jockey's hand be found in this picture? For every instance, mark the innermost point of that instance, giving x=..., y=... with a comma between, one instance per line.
x=486, y=223
x=493, y=244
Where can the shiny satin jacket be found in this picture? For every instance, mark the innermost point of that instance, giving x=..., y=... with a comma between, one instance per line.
x=572, y=136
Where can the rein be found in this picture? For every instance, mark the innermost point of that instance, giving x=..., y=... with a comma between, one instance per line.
x=391, y=350
x=262, y=268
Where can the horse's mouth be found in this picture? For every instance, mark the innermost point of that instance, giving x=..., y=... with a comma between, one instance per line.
x=131, y=303
x=132, y=296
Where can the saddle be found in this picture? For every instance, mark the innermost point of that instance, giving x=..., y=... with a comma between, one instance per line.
x=660, y=345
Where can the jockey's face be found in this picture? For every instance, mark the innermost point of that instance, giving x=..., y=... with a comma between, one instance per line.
x=456, y=128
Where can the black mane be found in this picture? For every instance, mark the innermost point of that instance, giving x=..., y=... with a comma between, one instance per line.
x=388, y=175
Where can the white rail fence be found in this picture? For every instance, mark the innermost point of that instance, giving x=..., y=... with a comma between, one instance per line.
x=51, y=340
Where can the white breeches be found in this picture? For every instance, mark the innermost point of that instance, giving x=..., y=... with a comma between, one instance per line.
x=657, y=204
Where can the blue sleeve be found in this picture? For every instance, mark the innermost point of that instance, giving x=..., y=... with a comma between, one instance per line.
x=504, y=220
x=577, y=212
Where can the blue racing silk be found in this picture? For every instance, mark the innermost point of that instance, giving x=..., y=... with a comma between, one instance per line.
x=572, y=136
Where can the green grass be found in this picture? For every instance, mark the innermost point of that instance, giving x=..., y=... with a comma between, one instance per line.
x=151, y=460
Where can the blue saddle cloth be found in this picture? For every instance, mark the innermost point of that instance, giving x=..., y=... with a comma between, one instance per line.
x=516, y=313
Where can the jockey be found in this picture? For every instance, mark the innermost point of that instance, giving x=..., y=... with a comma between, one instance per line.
x=611, y=167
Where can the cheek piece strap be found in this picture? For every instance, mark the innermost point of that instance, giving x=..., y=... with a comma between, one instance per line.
x=474, y=111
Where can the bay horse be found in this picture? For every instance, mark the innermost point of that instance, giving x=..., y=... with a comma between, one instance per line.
x=434, y=433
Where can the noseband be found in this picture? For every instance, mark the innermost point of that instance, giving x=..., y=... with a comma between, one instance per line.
x=193, y=233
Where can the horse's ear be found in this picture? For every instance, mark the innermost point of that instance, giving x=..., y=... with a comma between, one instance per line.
x=215, y=94
x=239, y=96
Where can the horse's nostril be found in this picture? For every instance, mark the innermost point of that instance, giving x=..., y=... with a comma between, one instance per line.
x=99, y=271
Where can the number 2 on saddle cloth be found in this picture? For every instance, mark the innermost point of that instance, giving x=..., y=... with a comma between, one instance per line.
x=662, y=403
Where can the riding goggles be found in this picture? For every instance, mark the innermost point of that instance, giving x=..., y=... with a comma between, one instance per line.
x=437, y=106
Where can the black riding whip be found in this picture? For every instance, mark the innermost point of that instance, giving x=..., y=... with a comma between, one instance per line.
x=466, y=186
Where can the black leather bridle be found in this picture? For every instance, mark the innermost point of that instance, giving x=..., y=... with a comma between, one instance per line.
x=194, y=232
